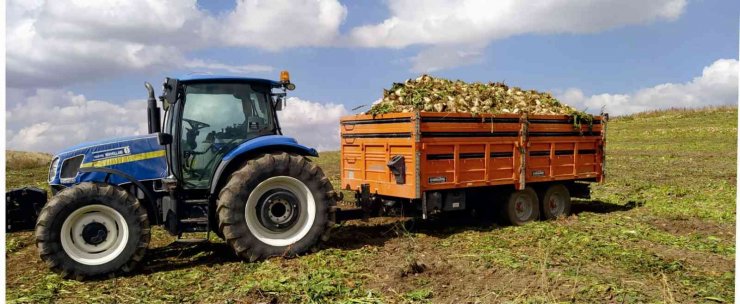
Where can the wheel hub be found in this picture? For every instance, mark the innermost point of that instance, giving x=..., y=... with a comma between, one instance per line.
x=279, y=209
x=94, y=233
x=523, y=208
x=556, y=204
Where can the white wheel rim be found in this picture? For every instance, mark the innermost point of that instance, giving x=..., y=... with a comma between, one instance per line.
x=304, y=222
x=86, y=253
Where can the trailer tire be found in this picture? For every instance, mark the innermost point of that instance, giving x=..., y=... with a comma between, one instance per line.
x=276, y=204
x=522, y=207
x=83, y=219
x=555, y=202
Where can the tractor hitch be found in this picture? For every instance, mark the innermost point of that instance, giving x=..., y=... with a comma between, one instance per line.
x=22, y=208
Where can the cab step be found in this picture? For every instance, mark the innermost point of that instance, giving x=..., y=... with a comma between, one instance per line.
x=195, y=221
x=192, y=241
x=194, y=224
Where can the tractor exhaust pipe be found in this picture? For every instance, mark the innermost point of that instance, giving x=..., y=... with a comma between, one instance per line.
x=152, y=110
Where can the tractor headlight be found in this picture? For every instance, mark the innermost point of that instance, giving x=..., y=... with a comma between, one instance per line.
x=53, y=168
x=70, y=167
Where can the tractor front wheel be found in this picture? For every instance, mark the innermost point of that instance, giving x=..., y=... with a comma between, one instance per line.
x=92, y=229
x=275, y=205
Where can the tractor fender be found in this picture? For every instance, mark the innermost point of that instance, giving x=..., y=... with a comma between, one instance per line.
x=251, y=148
x=148, y=194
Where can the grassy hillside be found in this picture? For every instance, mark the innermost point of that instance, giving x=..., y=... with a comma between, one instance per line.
x=26, y=169
x=661, y=229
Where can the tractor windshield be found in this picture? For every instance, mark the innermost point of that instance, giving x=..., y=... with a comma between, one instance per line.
x=216, y=118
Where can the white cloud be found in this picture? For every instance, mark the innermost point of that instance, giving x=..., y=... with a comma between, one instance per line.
x=50, y=120
x=312, y=123
x=61, y=42
x=275, y=25
x=451, y=23
x=200, y=65
x=443, y=57
x=470, y=21
x=717, y=85
x=56, y=43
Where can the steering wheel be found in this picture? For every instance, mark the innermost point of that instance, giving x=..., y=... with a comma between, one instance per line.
x=192, y=133
x=196, y=125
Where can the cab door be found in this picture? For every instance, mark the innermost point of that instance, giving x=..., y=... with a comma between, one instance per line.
x=216, y=118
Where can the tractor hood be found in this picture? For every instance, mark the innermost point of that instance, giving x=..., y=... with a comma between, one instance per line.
x=139, y=156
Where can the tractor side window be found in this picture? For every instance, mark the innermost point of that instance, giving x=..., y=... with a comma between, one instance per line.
x=215, y=119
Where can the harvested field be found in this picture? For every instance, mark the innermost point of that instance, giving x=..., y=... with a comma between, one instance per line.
x=661, y=229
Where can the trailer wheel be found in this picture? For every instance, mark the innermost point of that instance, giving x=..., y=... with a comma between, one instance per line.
x=522, y=207
x=92, y=229
x=275, y=205
x=555, y=202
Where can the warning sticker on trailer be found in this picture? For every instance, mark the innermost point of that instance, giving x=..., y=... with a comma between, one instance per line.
x=437, y=179
x=538, y=173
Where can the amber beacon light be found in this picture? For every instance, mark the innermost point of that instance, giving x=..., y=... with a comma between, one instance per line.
x=284, y=77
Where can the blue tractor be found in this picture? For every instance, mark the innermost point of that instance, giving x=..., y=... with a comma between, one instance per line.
x=216, y=160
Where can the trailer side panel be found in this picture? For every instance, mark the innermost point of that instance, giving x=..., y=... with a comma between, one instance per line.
x=455, y=150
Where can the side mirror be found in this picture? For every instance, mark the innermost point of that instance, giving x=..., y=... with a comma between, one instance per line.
x=278, y=101
x=164, y=139
x=170, y=89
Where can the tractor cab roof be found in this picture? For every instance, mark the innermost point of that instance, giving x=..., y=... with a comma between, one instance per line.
x=225, y=78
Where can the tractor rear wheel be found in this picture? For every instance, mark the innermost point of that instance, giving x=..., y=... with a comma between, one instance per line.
x=92, y=229
x=275, y=205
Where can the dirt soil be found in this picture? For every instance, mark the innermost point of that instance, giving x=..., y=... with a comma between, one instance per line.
x=647, y=235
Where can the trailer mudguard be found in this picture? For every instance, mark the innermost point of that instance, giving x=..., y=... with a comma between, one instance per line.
x=262, y=144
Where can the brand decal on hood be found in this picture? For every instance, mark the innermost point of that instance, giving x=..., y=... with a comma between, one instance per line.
x=98, y=155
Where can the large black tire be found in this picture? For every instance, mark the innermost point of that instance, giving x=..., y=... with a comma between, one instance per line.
x=265, y=183
x=555, y=202
x=522, y=207
x=86, y=216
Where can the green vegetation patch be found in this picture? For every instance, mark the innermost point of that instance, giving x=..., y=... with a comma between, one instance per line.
x=660, y=229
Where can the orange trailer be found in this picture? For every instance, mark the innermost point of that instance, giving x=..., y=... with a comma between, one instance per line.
x=439, y=161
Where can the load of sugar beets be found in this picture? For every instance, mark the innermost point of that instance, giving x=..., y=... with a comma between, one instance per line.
x=433, y=94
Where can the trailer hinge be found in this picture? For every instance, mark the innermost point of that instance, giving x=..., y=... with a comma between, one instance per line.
x=523, y=151
x=604, y=120
x=417, y=155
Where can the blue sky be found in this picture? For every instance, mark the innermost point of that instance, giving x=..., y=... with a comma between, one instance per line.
x=618, y=60
x=621, y=55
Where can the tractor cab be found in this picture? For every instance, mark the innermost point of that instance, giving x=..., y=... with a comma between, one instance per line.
x=210, y=123
x=209, y=116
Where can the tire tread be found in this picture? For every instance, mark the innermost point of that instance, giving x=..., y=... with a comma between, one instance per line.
x=236, y=191
x=47, y=238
